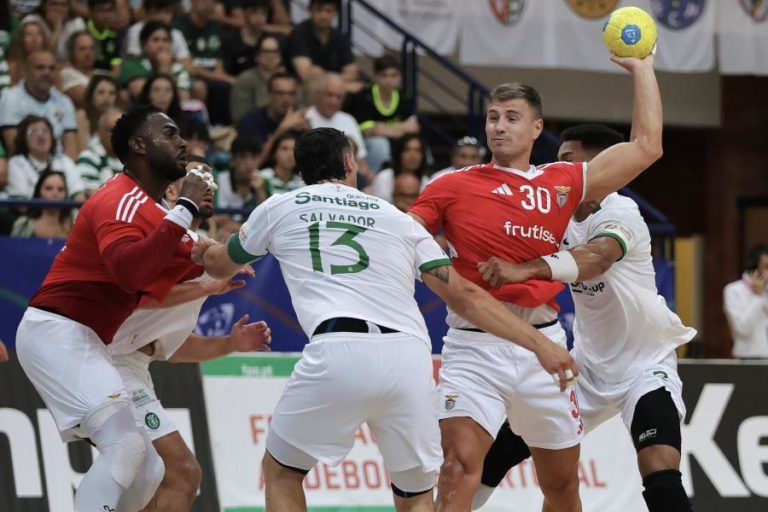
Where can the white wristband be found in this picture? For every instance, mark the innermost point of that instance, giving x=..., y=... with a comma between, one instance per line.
x=180, y=216
x=564, y=268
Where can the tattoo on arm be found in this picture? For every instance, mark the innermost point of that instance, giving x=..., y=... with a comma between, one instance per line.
x=440, y=272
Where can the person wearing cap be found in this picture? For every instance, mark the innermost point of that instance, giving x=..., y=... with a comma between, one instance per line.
x=467, y=151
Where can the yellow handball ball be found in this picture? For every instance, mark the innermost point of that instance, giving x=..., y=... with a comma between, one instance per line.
x=630, y=32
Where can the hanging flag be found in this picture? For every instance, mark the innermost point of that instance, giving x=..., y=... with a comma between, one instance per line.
x=566, y=34
x=743, y=37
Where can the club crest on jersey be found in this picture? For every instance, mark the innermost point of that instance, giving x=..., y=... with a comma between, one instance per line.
x=562, y=195
x=450, y=401
x=507, y=12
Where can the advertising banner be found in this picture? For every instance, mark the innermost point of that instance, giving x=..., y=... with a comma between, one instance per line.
x=39, y=473
x=241, y=393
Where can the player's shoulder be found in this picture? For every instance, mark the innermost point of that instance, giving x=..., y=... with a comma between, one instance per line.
x=461, y=175
x=120, y=199
x=561, y=166
x=621, y=207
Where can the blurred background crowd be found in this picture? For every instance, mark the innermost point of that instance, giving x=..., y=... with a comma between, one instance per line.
x=240, y=79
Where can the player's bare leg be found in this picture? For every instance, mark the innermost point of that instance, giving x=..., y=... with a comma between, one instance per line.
x=284, y=492
x=465, y=444
x=421, y=503
x=179, y=487
x=557, y=471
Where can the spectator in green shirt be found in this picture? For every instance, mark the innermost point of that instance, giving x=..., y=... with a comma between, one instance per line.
x=156, y=57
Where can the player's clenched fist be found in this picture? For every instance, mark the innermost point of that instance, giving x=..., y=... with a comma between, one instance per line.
x=193, y=188
x=498, y=272
x=557, y=361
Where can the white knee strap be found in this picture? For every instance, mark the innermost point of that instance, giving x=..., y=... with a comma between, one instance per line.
x=113, y=430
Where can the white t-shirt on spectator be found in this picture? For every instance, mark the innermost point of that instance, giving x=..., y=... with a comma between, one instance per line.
x=24, y=171
x=16, y=104
x=341, y=121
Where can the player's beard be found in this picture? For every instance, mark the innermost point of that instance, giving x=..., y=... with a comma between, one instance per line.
x=168, y=166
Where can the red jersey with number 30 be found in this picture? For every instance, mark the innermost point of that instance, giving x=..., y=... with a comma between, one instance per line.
x=81, y=286
x=488, y=210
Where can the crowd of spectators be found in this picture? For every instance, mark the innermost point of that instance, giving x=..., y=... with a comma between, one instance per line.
x=241, y=81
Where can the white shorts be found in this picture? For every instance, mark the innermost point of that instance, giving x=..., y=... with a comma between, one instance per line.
x=488, y=379
x=346, y=379
x=600, y=400
x=69, y=366
x=149, y=412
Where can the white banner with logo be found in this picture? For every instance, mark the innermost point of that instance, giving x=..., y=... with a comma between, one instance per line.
x=743, y=37
x=567, y=34
x=241, y=393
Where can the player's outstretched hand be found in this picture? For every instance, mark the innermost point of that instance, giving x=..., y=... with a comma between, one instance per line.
x=3, y=353
x=222, y=286
x=498, y=272
x=632, y=64
x=557, y=361
x=193, y=188
x=254, y=337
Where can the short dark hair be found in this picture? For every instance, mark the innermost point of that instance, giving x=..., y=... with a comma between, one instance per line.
x=516, y=90
x=126, y=127
x=754, y=255
x=150, y=27
x=256, y=4
x=319, y=3
x=94, y=3
x=157, y=5
x=320, y=155
x=195, y=129
x=243, y=145
x=280, y=75
x=593, y=136
x=385, y=62
x=20, y=142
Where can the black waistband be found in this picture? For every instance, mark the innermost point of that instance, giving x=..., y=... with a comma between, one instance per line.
x=50, y=310
x=536, y=326
x=345, y=324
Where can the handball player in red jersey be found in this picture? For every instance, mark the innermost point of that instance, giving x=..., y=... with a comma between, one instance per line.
x=517, y=212
x=126, y=247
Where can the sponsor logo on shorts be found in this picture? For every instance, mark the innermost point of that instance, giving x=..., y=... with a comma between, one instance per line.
x=660, y=374
x=152, y=421
x=648, y=434
x=107, y=508
x=450, y=401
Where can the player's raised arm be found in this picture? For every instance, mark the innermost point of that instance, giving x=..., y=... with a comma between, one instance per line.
x=477, y=306
x=617, y=166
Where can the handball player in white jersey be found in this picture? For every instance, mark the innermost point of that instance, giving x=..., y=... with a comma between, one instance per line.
x=350, y=261
x=516, y=211
x=163, y=332
x=624, y=336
